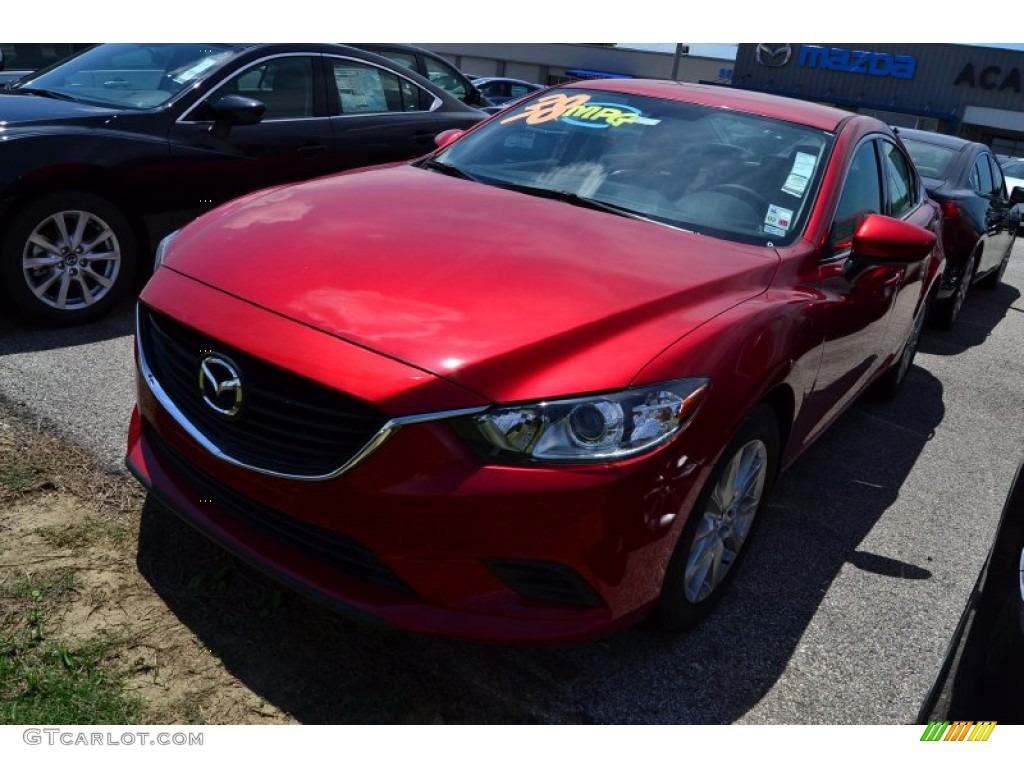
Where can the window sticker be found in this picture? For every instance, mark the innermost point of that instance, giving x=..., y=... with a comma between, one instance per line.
x=360, y=89
x=522, y=140
x=197, y=69
x=778, y=220
x=579, y=110
x=774, y=231
x=800, y=174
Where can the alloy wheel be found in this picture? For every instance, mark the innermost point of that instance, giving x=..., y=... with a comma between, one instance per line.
x=71, y=260
x=727, y=520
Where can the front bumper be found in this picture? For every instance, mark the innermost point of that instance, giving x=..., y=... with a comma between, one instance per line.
x=487, y=553
x=422, y=535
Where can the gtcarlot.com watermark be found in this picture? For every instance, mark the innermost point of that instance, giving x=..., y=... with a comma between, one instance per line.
x=73, y=737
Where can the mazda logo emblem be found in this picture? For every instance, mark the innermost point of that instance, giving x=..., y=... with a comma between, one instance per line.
x=774, y=54
x=220, y=385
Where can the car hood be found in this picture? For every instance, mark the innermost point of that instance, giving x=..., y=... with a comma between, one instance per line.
x=17, y=111
x=507, y=294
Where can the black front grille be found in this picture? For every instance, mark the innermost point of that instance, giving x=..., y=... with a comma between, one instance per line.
x=337, y=550
x=287, y=424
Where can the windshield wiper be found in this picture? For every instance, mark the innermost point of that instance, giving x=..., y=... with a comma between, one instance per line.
x=43, y=92
x=447, y=169
x=575, y=199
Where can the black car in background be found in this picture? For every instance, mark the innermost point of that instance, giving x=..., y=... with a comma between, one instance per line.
x=504, y=90
x=979, y=221
x=107, y=152
x=982, y=675
x=431, y=66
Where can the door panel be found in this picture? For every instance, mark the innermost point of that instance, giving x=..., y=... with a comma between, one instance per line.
x=380, y=117
x=293, y=141
x=853, y=317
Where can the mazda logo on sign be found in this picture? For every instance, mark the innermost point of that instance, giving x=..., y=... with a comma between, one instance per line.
x=774, y=54
x=220, y=385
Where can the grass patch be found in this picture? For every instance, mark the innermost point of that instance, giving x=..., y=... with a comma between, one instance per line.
x=47, y=681
x=84, y=534
x=19, y=476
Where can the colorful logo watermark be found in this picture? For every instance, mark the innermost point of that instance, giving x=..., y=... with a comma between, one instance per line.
x=960, y=730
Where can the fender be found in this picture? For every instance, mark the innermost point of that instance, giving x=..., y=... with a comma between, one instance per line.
x=772, y=352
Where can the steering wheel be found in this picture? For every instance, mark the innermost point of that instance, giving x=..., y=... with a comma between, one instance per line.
x=746, y=194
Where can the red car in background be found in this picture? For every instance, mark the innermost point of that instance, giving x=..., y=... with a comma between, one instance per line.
x=537, y=385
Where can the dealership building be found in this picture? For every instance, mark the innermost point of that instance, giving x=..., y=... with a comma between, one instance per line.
x=964, y=90
x=552, y=63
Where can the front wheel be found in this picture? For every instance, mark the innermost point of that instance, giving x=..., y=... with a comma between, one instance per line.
x=712, y=544
x=67, y=258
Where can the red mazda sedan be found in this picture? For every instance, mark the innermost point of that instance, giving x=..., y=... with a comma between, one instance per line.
x=537, y=385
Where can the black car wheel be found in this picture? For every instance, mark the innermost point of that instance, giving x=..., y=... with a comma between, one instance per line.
x=992, y=280
x=711, y=546
x=67, y=258
x=891, y=382
x=948, y=310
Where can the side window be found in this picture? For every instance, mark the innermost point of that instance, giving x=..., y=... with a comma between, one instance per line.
x=518, y=91
x=998, y=182
x=983, y=173
x=862, y=194
x=407, y=60
x=283, y=84
x=901, y=182
x=445, y=76
x=363, y=88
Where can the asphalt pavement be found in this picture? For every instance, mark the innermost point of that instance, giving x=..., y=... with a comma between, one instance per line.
x=852, y=589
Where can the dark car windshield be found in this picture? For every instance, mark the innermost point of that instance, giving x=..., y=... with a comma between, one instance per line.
x=132, y=75
x=931, y=160
x=706, y=169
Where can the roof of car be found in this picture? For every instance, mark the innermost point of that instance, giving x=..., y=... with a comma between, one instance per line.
x=480, y=80
x=767, y=105
x=939, y=139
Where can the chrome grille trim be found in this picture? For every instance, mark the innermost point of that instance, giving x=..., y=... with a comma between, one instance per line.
x=390, y=427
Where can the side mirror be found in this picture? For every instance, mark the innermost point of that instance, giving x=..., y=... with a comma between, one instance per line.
x=444, y=138
x=1017, y=196
x=475, y=98
x=881, y=241
x=231, y=110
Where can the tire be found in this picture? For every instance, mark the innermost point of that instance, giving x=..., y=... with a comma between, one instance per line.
x=992, y=280
x=67, y=258
x=946, y=312
x=714, y=540
x=890, y=383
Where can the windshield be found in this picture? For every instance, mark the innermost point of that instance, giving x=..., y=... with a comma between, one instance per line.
x=931, y=160
x=705, y=169
x=132, y=75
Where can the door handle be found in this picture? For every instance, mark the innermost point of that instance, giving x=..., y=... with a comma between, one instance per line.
x=309, y=150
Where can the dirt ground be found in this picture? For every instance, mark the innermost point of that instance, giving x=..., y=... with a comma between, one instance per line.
x=59, y=514
x=204, y=639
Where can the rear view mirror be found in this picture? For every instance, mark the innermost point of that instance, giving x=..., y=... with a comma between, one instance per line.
x=445, y=138
x=880, y=240
x=231, y=110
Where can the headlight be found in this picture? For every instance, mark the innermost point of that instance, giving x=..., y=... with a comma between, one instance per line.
x=161, y=250
x=593, y=428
